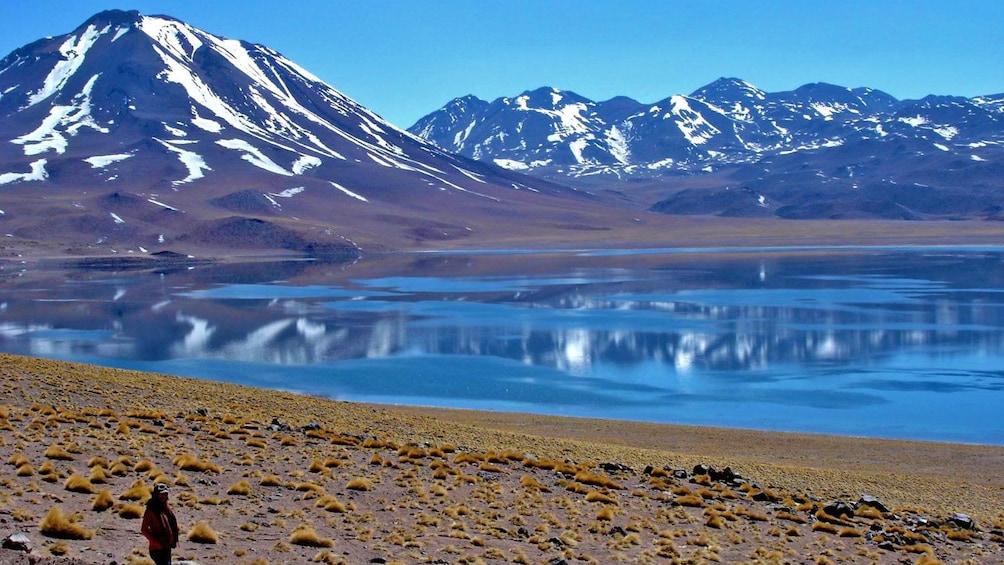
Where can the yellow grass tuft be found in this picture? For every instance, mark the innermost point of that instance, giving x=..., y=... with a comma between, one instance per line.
x=203, y=533
x=489, y=467
x=595, y=496
x=55, y=524
x=824, y=527
x=331, y=504
x=98, y=475
x=131, y=511
x=597, y=480
x=138, y=491
x=271, y=481
x=360, y=484
x=58, y=453
x=240, y=488
x=305, y=535
x=792, y=517
x=98, y=461
x=103, y=501
x=192, y=463
x=691, y=500
x=76, y=483
x=531, y=482
x=606, y=514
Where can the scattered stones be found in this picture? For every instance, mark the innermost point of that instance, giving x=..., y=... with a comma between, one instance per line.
x=963, y=521
x=869, y=500
x=18, y=541
x=839, y=509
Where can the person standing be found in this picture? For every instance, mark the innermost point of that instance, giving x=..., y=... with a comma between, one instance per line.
x=160, y=527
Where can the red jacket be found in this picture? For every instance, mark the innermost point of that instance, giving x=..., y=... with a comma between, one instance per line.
x=160, y=527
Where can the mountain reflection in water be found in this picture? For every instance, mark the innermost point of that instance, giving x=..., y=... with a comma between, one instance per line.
x=897, y=343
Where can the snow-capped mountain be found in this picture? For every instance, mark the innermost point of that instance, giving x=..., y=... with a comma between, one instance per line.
x=726, y=122
x=144, y=132
x=818, y=151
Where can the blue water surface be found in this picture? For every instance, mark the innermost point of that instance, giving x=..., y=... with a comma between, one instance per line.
x=900, y=343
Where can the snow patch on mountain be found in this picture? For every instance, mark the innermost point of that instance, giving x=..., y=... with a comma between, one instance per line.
x=74, y=50
x=692, y=124
x=50, y=135
x=194, y=162
x=153, y=200
x=102, y=161
x=348, y=192
x=253, y=155
x=304, y=163
x=205, y=124
x=37, y=173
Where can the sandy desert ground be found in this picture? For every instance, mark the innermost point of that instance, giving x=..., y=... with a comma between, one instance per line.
x=263, y=477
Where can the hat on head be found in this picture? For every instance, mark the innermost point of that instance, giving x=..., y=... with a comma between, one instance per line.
x=160, y=487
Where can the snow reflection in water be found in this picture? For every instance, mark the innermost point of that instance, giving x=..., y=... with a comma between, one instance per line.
x=881, y=343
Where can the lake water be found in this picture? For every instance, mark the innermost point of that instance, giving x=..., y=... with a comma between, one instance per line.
x=903, y=343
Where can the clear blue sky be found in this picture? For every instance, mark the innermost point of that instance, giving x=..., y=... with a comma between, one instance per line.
x=404, y=59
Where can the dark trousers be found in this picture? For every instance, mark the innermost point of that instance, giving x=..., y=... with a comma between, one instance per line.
x=161, y=557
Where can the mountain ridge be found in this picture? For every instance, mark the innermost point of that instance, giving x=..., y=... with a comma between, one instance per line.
x=749, y=149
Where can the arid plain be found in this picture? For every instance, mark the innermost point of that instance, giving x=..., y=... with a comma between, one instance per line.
x=269, y=477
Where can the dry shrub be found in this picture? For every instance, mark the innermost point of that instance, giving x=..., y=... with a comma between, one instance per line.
x=131, y=511
x=360, y=484
x=327, y=558
x=791, y=517
x=119, y=469
x=144, y=466
x=271, y=481
x=489, y=468
x=255, y=442
x=138, y=491
x=55, y=524
x=606, y=514
x=17, y=459
x=203, y=533
x=25, y=470
x=531, y=482
x=98, y=461
x=58, y=453
x=103, y=501
x=331, y=504
x=192, y=463
x=824, y=527
x=76, y=483
x=595, y=496
x=305, y=535
x=849, y=533
x=751, y=514
x=309, y=487
x=865, y=511
x=691, y=500
x=240, y=488
x=98, y=475
x=577, y=488
x=597, y=480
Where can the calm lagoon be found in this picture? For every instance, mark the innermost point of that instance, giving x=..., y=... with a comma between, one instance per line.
x=901, y=343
